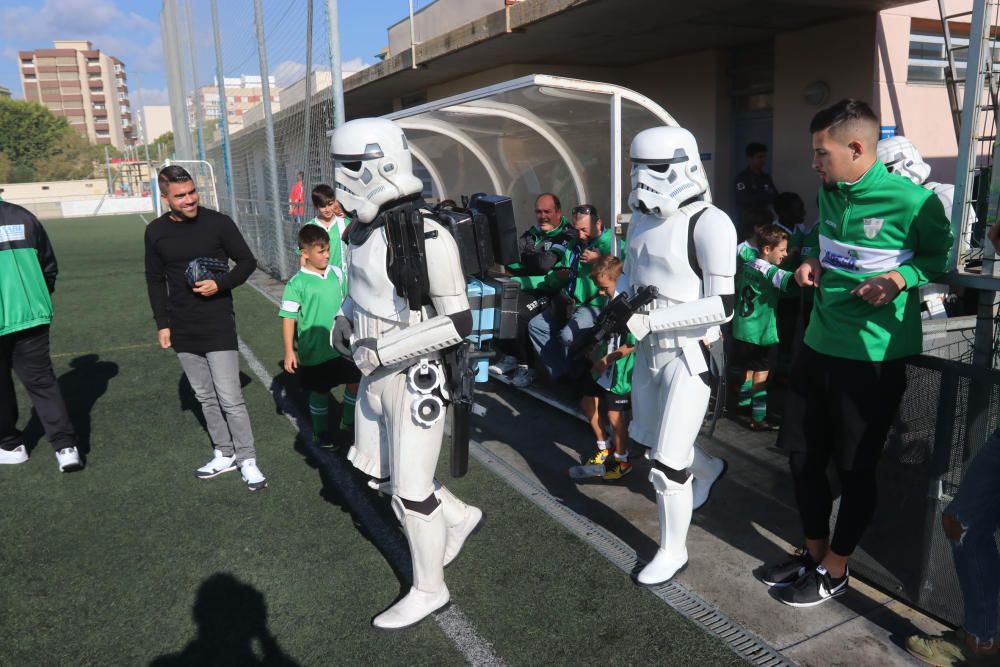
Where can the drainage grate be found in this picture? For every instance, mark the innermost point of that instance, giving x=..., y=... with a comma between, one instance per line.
x=741, y=640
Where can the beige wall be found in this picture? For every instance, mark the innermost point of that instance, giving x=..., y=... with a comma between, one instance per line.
x=17, y=192
x=157, y=119
x=800, y=58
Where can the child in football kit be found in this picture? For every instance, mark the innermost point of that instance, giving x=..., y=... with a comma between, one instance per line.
x=759, y=284
x=310, y=302
x=611, y=380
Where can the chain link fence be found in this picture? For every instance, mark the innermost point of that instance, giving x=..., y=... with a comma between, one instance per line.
x=267, y=123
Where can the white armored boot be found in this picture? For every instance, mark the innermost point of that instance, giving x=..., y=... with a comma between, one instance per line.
x=461, y=519
x=426, y=536
x=707, y=470
x=673, y=501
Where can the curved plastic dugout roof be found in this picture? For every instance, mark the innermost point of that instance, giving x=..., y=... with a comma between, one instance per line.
x=530, y=135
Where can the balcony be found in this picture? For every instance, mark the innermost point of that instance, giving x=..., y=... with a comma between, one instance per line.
x=93, y=69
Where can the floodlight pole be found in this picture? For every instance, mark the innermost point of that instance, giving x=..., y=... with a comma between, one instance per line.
x=308, y=98
x=227, y=159
x=272, y=158
x=107, y=165
x=336, y=71
x=196, y=91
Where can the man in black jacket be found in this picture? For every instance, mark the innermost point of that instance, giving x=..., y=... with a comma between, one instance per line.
x=27, y=279
x=198, y=322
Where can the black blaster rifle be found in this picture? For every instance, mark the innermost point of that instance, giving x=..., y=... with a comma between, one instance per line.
x=461, y=372
x=614, y=318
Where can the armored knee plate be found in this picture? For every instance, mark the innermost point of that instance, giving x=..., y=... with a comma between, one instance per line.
x=668, y=481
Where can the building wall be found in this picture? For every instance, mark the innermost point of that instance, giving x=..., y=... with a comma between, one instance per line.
x=73, y=80
x=801, y=58
x=920, y=111
x=157, y=119
x=437, y=18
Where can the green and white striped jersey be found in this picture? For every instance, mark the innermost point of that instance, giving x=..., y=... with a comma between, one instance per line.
x=880, y=223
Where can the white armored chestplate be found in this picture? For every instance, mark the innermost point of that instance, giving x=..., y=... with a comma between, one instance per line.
x=657, y=254
x=368, y=280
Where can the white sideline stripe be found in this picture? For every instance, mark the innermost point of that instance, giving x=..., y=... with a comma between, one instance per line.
x=453, y=622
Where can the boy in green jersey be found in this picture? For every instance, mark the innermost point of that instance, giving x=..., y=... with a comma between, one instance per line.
x=310, y=301
x=330, y=216
x=610, y=379
x=880, y=237
x=759, y=285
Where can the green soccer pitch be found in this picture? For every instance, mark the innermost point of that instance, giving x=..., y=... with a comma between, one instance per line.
x=134, y=561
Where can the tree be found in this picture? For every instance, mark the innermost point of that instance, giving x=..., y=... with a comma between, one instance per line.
x=28, y=132
x=71, y=158
x=5, y=168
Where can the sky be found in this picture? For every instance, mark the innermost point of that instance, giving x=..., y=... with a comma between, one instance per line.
x=130, y=30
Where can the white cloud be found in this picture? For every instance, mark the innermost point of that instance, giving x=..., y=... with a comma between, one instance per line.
x=288, y=72
x=151, y=96
x=128, y=36
x=353, y=65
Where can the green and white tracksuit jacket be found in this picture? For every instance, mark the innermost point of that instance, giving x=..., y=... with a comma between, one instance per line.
x=27, y=271
x=880, y=223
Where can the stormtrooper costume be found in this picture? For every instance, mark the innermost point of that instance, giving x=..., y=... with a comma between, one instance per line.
x=400, y=410
x=686, y=247
x=901, y=157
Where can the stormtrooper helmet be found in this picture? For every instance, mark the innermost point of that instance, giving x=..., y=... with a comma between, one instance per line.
x=374, y=166
x=666, y=170
x=901, y=157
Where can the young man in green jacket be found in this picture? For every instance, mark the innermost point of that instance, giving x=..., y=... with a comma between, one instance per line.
x=28, y=272
x=879, y=238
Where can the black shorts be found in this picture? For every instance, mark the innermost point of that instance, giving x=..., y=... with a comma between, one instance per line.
x=612, y=402
x=753, y=357
x=323, y=377
x=841, y=408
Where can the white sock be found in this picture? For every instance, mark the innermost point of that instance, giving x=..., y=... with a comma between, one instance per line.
x=621, y=457
x=602, y=444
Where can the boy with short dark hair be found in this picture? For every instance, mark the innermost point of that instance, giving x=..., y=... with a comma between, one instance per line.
x=759, y=284
x=311, y=300
x=331, y=217
x=610, y=379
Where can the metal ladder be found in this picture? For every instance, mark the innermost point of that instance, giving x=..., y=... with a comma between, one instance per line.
x=975, y=120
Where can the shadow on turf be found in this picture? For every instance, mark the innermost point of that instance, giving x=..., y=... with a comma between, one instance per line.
x=285, y=389
x=81, y=388
x=232, y=629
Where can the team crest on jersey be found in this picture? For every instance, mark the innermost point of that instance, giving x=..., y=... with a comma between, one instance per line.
x=873, y=226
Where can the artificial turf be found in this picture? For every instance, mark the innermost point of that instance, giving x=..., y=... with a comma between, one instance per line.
x=134, y=561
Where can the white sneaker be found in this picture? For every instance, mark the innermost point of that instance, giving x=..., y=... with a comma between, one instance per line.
x=523, y=377
x=252, y=475
x=218, y=465
x=13, y=456
x=503, y=365
x=68, y=459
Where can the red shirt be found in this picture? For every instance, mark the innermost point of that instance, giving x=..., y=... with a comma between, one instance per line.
x=296, y=197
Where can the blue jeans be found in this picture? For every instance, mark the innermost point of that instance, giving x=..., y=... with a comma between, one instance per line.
x=554, y=350
x=976, y=507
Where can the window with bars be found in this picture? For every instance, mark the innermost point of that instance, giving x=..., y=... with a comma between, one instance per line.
x=927, y=58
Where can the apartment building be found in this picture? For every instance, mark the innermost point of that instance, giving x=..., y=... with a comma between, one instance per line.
x=242, y=93
x=83, y=84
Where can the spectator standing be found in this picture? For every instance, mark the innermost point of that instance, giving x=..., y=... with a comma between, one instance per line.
x=296, y=199
x=198, y=322
x=755, y=191
x=28, y=271
x=880, y=237
x=545, y=250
